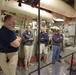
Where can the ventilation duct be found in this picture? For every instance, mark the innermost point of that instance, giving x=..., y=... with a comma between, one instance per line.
x=12, y=6
x=58, y=6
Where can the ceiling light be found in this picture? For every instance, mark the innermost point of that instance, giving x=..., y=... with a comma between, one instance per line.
x=58, y=19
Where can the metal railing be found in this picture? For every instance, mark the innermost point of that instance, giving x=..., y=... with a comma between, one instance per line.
x=71, y=65
x=39, y=68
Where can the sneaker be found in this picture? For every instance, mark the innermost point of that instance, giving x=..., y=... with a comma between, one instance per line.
x=30, y=64
x=46, y=62
x=59, y=61
x=26, y=68
x=53, y=62
x=60, y=56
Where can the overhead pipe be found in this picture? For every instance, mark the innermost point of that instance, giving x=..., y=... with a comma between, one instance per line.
x=59, y=6
x=25, y=9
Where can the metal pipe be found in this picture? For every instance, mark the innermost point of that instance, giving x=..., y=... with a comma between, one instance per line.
x=39, y=37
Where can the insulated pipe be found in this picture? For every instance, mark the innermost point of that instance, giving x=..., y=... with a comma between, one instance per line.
x=24, y=9
x=58, y=6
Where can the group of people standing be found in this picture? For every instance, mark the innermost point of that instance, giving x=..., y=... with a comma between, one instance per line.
x=28, y=38
x=10, y=42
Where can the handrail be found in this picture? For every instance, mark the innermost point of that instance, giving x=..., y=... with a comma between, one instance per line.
x=56, y=61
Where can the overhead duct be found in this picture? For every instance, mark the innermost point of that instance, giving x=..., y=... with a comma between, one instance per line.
x=58, y=6
x=24, y=9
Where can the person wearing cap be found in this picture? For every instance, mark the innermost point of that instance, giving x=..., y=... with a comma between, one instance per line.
x=9, y=44
x=56, y=40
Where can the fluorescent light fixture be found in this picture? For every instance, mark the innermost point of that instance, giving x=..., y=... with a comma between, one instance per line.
x=17, y=27
x=58, y=19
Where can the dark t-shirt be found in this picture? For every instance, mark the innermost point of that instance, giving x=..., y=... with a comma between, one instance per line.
x=6, y=37
x=44, y=38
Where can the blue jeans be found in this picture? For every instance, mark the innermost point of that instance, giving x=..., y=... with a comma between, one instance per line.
x=56, y=53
